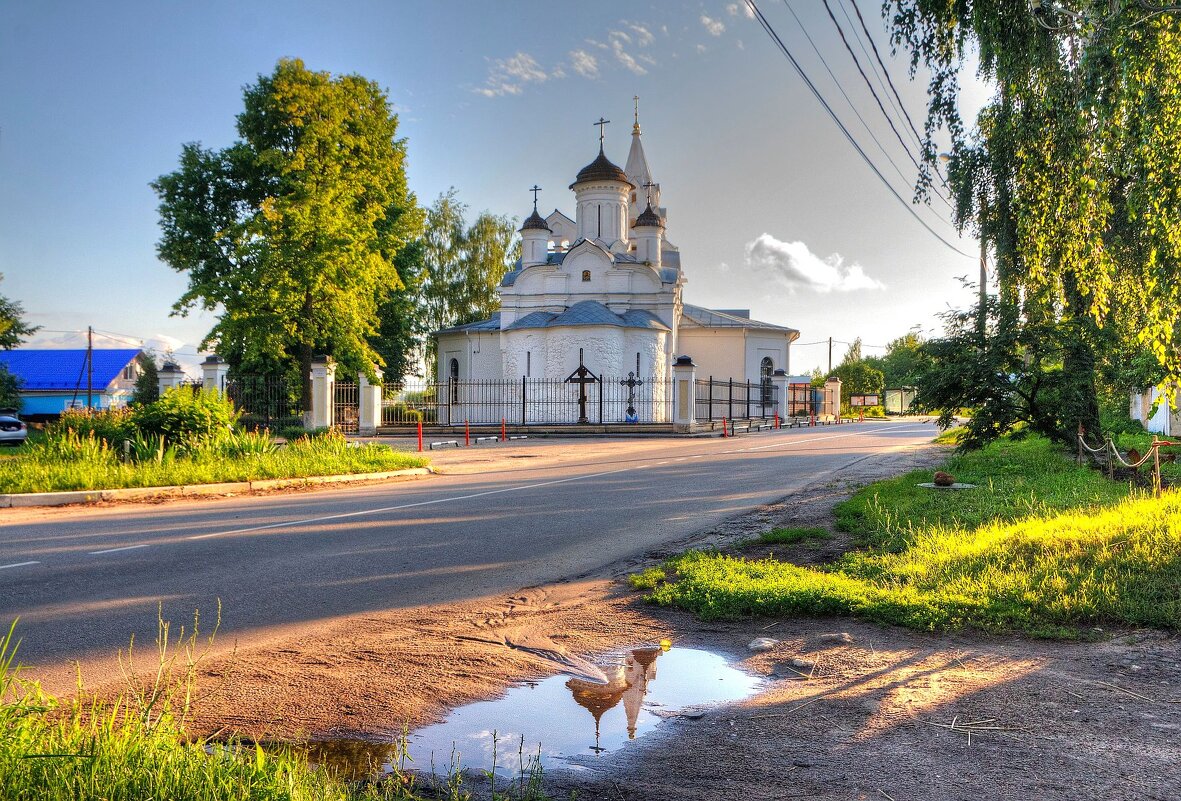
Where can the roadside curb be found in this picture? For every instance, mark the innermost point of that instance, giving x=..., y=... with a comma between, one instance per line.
x=26, y=500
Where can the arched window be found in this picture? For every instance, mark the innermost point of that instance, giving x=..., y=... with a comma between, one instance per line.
x=586, y=276
x=766, y=368
x=453, y=372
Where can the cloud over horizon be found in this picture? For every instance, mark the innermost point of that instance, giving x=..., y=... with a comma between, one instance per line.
x=796, y=267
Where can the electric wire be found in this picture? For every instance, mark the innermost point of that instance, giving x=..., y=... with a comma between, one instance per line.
x=877, y=99
x=849, y=100
x=770, y=30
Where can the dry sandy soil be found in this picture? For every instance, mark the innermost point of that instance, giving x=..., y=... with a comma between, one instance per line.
x=863, y=711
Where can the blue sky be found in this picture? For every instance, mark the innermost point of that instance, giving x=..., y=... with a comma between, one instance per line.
x=771, y=208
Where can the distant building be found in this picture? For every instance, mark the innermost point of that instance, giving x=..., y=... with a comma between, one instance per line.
x=1167, y=418
x=55, y=380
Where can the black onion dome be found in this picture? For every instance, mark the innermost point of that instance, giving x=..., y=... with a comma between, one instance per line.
x=649, y=217
x=601, y=169
x=535, y=222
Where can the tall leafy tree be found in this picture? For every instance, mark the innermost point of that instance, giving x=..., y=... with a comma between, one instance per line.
x=291, y=233
x=1072, y=173
x=490, y=247
x=13, y=327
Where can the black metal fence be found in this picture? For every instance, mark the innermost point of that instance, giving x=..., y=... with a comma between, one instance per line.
x=802, y=399
x=603, y=400
x=730, y=398
x=346, y=407
x=266, y=401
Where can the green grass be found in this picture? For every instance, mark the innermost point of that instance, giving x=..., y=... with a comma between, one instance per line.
x=646, y=580
x=33, y=470
x=792, y=535
x=134, y=749
x=1041, y=547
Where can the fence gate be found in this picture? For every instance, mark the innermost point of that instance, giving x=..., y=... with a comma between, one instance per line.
x=345, y=407
x=265, y=401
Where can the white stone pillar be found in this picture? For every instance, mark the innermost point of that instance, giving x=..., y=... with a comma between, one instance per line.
x=323, y=394
x=684, y=394
x=170, y=376
x=369, y=405
x=779, y=380
x=214, y=373
x=832, y=397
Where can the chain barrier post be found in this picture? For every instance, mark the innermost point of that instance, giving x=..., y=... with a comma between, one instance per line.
x=420, y=435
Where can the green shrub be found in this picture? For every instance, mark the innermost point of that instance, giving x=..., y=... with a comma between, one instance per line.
x=111, y=425
x=787, y=536
x=187, y=418
x=647, y=580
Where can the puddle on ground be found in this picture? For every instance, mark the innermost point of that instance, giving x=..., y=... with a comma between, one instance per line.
x=565, y=720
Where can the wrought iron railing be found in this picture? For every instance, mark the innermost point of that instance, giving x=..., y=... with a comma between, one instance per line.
x=265, y=401
x=735, y=399
x=606, y=400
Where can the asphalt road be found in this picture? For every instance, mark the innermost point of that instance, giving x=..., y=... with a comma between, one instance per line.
x=82, y=580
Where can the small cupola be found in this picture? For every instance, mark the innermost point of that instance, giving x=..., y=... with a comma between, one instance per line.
x=535, y=234
x=649, y=234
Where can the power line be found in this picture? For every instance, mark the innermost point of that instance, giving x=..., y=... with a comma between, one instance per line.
x=852, y=105
x=832, y=114
x=878, y=100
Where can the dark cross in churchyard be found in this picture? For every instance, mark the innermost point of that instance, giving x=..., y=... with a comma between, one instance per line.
x=601, y=123
x=535, y=189
x=582, y=376
x=632, y=381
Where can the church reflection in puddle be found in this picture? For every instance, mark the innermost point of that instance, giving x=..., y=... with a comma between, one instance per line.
x=630, y=704
x=548, y=719
x=628, y=682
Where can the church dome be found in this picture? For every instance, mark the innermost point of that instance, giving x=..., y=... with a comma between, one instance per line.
x=601, y=169
x=535, y=222
x=648, y=217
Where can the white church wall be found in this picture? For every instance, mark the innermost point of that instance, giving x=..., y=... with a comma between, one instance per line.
x=477, y=353
x=759, y=346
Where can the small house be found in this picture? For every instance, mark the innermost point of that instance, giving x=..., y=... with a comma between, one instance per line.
x=55, y=380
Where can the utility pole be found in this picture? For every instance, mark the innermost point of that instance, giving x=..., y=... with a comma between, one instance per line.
x=89, y=366
x=830, y=355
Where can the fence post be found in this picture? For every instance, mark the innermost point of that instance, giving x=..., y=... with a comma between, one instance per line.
x=748, y=399
x=368, y=405
x=730, y=400
x=170, y=376
x=524, y=386
x=601, y=399
x=710, y=415
x=321, y=415
x=779, y=390
x=684, y=395
x=214, y=373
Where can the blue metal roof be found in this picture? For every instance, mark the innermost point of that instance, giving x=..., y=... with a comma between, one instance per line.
x=491, y=324
x=590, y=312
x=50, y=370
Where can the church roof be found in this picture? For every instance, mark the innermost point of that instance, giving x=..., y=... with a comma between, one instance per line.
x=491, y=324
x=601, y=169
x=535, y=222
x=590, y=312
x=650, y=218
x=712, y=318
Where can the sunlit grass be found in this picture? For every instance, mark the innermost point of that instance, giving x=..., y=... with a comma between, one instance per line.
x=101, y=468
x=1041, y=546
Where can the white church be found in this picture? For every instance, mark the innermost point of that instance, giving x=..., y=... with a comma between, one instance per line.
x=605, y=287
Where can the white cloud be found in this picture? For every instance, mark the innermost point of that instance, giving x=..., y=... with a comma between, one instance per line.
x=715, y=27
x=795, y=267
x=509, y=76
x=644, y=36
x=584, y=64
x=701, y=48
x=732, y=9
x=617, y=40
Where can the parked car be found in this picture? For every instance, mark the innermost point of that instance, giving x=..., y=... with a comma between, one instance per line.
x=12, y=430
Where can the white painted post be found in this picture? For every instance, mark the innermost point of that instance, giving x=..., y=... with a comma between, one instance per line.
x=684, y=394
x=832, y=397
x=214, y=373
x=323, y=394
x=170, y=376
x=779, y=380
x=369, y=405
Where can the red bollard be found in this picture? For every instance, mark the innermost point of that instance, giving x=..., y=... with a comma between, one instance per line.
x=724, y=434
x=420, y=436
x=467, y=434
x=813, y=422
x=503, y=437
x=862, y=420
x=776, y=420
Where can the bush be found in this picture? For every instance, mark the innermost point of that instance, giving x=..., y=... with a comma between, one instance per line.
x=111, y=425
x=188, y=418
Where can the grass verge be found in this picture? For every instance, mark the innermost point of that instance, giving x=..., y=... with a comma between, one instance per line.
x=1041, y=546
x=97, y=468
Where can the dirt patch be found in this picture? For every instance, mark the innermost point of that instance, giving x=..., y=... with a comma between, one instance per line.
x=851, y=710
